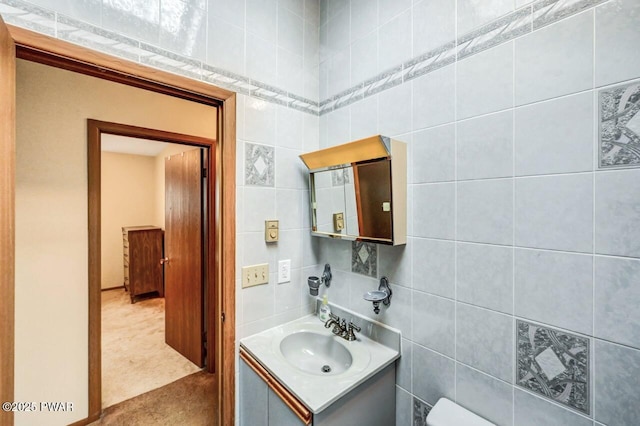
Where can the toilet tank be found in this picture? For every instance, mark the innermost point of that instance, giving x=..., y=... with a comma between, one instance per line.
x=448, y=413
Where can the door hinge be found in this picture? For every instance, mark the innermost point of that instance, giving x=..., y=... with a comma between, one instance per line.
x=204, y=172
x=223, y=316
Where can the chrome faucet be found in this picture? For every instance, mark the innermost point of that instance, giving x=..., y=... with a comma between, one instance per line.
x=341, y=328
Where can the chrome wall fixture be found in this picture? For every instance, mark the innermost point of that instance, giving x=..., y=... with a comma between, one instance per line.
x=314, y=282
x=383, y=294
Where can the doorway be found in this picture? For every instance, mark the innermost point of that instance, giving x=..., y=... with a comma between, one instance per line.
x=152, y=196
x=187, y=256
x=21, y=43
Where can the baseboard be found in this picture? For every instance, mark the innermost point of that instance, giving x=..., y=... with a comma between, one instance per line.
x=112, y=288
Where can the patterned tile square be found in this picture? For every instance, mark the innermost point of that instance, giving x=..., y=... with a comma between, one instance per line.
x=554, y=364
x=620, y=126
x=420, y=412
x=259, y=165
x=339, y=177
x=364, y=258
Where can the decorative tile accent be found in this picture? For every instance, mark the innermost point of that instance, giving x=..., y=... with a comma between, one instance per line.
x=430, y=61
x=619, y=139
x=364, y=258
x=554, y=364
x=45, y=21
x=497, y=32
x=508, y=27
x=170, y=61
x=546, y=12
x=420, y=412
x=27, y=15
x=259, y=164
x=96, y=38
x=339, y=177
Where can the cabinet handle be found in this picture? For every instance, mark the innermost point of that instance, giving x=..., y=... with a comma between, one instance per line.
x=164, y=260
x=287, y=397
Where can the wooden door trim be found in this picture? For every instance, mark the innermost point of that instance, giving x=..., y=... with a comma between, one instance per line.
x=43, y=49
x=95, y=129
x=7, y=223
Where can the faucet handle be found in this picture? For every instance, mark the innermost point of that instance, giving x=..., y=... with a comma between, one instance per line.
x=350, y=335
x=334, y=317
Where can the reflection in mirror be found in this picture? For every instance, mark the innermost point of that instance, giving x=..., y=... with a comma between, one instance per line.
x=355, y=196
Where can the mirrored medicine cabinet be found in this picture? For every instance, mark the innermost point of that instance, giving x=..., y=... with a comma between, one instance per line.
x=358, y=191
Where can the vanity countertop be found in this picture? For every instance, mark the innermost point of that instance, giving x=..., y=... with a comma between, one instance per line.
x=318, y=391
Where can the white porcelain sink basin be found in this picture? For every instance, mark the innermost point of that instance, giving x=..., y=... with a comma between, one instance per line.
x=295, y=352
x=316, y=353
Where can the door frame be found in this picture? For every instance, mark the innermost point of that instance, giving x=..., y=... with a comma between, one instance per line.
x=95, y=130
x=53, y=52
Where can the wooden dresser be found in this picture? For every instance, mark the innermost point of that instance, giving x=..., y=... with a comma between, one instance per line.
x=143, y=249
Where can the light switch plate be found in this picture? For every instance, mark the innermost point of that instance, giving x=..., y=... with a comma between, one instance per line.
x=284, y=271
x=255, y=275
x=271, y=230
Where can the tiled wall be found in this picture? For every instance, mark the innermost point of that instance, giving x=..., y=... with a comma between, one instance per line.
x=517, y=291
x=267, y=51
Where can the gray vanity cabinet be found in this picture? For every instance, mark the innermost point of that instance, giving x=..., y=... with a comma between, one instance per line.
x=265, y=402
x=262, y=399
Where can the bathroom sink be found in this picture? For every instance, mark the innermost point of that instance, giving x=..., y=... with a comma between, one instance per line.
x=316, y=353
x=296, y=352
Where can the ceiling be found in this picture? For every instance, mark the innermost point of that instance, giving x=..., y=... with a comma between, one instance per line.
x=129, y=145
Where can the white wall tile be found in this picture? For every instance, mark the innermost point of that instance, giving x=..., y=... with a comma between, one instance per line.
x=616, y=213
x=485, y=211
x=555, y=288
x=473, y=14
x=555, y=212
x=388, y=9
x=484, y=395
x=485, y=82
x=617, y=37
x=434, y=210
x=395, y=103
x=433, y=375
x=262, y=18
x=434, y=24
x=555, y=60
x=364, y=18
x=434, y=266
x=395, y=41
x=433, y=155
x=555, y=136
x=484, y=340
x=225, y=45
x=261, y=59
x=290, y=31
x=484, y=146
x=433, y=98
x=484, y=276
x=364, y=58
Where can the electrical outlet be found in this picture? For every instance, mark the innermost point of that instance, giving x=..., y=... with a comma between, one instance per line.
x=284, y=271
x=255, y=275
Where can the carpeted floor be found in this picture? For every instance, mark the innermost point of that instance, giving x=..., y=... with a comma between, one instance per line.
x=135, y=358
x=189, y=401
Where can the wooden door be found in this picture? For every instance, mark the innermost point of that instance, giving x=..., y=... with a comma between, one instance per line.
x=7, y=215
x=184, y=299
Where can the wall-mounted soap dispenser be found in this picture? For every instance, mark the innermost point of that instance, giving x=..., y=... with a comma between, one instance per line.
x=314, y=282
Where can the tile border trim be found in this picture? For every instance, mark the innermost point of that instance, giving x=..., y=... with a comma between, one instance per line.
x=27, y=15
x=522, y=21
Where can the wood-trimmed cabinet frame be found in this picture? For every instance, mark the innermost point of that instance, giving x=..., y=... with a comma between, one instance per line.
x=24, y=44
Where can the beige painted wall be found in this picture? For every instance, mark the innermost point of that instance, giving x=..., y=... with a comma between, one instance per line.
x=128, y=199
x=51, y=221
